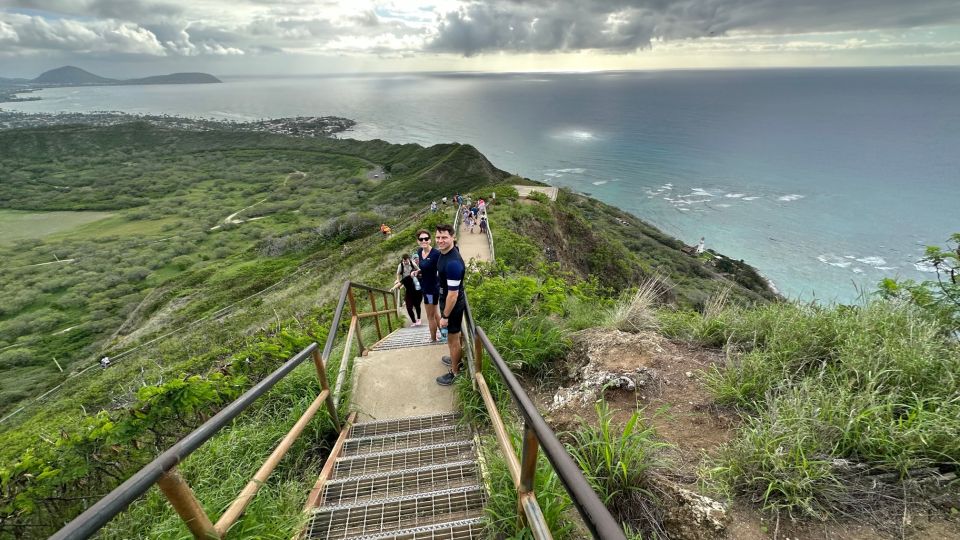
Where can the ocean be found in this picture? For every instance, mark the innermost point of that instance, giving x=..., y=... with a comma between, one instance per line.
x=826, y=180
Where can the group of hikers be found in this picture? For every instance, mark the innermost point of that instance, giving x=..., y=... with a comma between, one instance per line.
x=435, y=277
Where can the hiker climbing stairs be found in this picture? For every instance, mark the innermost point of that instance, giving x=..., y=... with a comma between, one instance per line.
x=404, y=478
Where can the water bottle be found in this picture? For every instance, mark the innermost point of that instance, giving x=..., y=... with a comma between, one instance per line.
x=443, y=333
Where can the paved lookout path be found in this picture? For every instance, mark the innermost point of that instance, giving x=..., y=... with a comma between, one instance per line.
x=397, y=378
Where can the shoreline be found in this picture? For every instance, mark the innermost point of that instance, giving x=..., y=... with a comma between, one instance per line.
x=297, y=126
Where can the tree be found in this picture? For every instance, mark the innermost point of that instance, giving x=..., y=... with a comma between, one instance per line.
x=940, y=297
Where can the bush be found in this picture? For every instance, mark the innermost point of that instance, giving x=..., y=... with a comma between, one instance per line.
x=531, y=344
x=822, y=388
x=618, y=465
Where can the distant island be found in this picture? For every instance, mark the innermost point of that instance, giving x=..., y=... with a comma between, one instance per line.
x=74, y=76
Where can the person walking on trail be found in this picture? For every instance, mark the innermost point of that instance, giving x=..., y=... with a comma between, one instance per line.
x=483, y=225
x=451, y=272
x=426, y=258
x=433, y=206
x=482, y=206
x=411, y=288
x=469, y=222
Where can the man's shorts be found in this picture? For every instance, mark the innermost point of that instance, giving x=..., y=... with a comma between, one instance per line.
x=455, y=320
x=431, y=297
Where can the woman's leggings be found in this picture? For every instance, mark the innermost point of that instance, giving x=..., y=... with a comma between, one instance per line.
x=412, y=298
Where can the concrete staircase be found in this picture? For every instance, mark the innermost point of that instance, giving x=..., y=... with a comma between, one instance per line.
x=404, y=478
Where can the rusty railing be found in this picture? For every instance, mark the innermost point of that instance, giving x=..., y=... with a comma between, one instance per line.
x=163, y=470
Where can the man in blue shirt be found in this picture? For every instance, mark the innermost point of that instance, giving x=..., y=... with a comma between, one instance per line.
x=451, y=272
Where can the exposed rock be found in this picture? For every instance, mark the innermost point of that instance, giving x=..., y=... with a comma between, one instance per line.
x=595, y=364
x=691, y=516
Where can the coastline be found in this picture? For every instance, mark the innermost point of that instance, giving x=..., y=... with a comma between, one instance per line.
x=298, y=126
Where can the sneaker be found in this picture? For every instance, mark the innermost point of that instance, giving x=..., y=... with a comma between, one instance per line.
x=447, y=361
x=446, y=379
x=417, y=323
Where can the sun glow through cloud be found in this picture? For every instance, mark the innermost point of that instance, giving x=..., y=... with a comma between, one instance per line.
x=298, y=36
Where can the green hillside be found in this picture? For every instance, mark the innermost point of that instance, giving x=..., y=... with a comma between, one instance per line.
x=195, y=307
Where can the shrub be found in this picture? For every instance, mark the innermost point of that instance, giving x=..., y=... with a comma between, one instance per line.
x=618, y=465
x=530, y=344
x=634, y=312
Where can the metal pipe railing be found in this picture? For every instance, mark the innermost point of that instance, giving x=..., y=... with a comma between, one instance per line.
x=163, y=468
x=536, y=434
x=588, y=504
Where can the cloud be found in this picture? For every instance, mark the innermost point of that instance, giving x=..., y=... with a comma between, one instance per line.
x=628, y=25
x=129, y=10
x=31, y=33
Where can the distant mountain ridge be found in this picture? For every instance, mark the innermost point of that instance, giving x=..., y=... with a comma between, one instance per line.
x=74, y=76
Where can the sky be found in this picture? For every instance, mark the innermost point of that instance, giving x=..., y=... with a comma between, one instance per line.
x=130, y=38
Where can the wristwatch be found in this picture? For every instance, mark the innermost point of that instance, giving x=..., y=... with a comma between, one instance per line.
x=444, y=317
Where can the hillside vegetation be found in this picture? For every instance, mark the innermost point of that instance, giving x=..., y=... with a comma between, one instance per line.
x=196, y=307
x=167, y=251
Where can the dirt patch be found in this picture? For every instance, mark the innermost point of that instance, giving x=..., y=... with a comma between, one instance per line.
x=667, y=383
x=673, y=397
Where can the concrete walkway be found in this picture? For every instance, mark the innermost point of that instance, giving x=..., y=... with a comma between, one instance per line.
x=550, y=192
x=397, y=378
x=473, y=246
x=399, y=383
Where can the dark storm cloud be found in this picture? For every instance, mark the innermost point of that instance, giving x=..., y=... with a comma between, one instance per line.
x=103, y=9
x=623, y=25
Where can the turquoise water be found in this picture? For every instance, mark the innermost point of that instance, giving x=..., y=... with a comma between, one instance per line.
x=825, y=180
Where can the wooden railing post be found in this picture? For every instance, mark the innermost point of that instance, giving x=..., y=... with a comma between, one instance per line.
x=325, y=385
x=376, y=319
x=477, y=353
x=181, y=497
x=353, y=311
x=528, y=467
x=386, y=306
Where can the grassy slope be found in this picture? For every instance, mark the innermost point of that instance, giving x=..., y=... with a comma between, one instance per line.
x=154, y=267
x=200, y=178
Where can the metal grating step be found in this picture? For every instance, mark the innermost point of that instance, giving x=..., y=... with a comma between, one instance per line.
x=397, y=425
x=406, y=439
x=465, y=529
x=413, y=336
x=396, y=514
x=395, y=484
x=407, y=459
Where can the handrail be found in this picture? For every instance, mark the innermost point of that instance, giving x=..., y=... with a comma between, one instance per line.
x=163, y=468
x=591, y=508
x=347, y=294
x=536, y=433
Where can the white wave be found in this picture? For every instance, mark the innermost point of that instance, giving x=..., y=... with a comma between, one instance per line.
x=576, y=170
x=924, y=266
x=789, y=198
x=750, y=198
x=700, y=192
x=873, y=261
x=735, y=195
x=683, y=209
x=857, y=270
x=833, y=260
x=849, y=256
x=599, y=182
x=552, y=174
x=722, y=205
x=885, y=267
